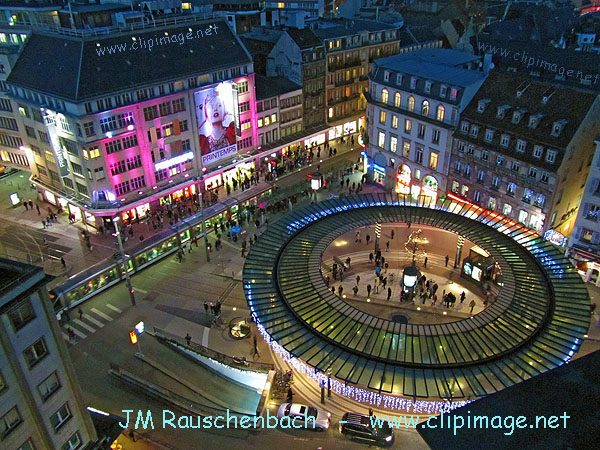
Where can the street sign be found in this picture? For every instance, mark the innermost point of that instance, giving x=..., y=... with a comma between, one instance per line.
x=139, y=328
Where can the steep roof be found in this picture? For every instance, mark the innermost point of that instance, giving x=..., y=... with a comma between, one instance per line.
x=94, y=66
x=305, y=38
x=267, y=87
x=333, y=28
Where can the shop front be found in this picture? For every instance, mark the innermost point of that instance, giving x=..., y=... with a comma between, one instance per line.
x=379, y=174
x=403, y=179
x=319, y=139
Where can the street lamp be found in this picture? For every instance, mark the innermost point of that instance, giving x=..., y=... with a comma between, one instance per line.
x=122, y=255
x=202, y=218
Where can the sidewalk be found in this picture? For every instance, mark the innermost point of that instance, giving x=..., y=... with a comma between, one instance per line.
x=66, y=237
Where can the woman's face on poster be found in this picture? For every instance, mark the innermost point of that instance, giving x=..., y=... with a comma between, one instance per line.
x=215, y=110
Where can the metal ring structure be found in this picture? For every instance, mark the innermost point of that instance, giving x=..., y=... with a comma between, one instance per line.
x=537, y=322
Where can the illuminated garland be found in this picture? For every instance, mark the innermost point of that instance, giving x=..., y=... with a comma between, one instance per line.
x=355, y=393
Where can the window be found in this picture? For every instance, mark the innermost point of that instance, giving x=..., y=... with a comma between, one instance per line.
x=164, y=108
x=178, y=105
x=467, y=172
x=76, y=168
x=521, y=145
x=411, y=103
x=113, y=146
x=406, y=149
x=441, y=113
x=474, y=131
x=516, y=166
x=407, y=126
x=399, y=79
x=118, y=167
x=60, y=417
x=481, y=176
x=455, y=186
x=527, y=195
x=89, y=129
x=425, y=108
x=428, y=87
x=489, y=135
x=381, y=139
x=453, y=93
x=435, y=136
x=556, y=128
x=516, y=117
x=413, y=82
x=419, y=154
x=476, y=196
x=540, y=200
x=500, y=160
x=138, y=182
x=49, y=386
x=495, y=182
x=586, y=235
x=125, y=119
x=382, y=117
x=492, y=203
x=592, y=214
x=532, y=172
x=186, y=144
x=43, y=137
x=421, y=132
x=464, y=191
x=386, y=74
x=242, y=87
x=150, y=112
x=99, y=174
x=433, y=160
x=538, y=151
x=64, y=124
x=73, y=443
x=82, y=189
x=393, y=143
x=544, y=178
x=500, y=112
x=551, y=156
x=9, y=422
x=511, y=189
x=384, y=95
x=134, y=162
x=68, y=183
x=397, y=99
x=22, y=314
x=35, y=353
x=395, y=122
x=464, y=127
x=244, y=106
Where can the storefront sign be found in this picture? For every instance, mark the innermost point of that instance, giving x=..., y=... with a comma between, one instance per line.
x=317, y=140
x=556, y=238
x=335, y=132
x=174, y=161
x=219, y=154
x=379, y=168
x=350, y=127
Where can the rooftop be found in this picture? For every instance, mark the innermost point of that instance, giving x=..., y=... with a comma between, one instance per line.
x=334, y=28
x=98, y=65
x=267, y=87
x=305, y=38
x=14, y=274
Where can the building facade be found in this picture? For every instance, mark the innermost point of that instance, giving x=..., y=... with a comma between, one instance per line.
x=41, y=405
x=521, y=149
x=414, y=104
x=119, y=139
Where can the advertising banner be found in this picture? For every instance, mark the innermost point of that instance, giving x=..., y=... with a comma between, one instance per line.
x=215, y=112
x=59, y=152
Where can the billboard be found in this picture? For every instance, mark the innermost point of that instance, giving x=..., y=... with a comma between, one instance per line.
x=60, y=152
x=216, y=112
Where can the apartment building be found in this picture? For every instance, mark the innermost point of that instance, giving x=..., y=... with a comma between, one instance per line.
x=350, y=48
x=524, y=148
x=131, y=120
x=41, y=405
x=278, y=110
x=414, y=103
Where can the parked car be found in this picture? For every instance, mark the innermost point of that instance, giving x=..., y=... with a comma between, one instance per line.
x=361, y=428
x=305, y=416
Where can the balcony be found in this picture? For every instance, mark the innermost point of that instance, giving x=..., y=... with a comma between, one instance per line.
x=354, y=62
x=345, y=82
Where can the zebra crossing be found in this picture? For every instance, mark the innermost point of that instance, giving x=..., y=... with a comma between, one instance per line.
x=89, y=323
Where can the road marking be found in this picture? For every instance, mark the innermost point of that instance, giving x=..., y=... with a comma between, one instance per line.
x=65, y=336
x=94, y=321
x=140, y=290
x=78, y=333
x=205, y=337
x=114, y=308
x=84, y=325
x=101, y=314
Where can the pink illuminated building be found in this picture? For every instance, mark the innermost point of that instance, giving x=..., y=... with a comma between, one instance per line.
x=118, y=124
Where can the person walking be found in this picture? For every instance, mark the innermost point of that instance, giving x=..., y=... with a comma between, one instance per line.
x=369, y=290
x=462, y=296
x=371, y=257
x=188, y=339
x=62, y=261
x=368, y=239
x=447, y=259
x=206, y=307
x=389, y=293
x=357, y=279
x=425, y=262
x=472, y=305
x=393, y=234
x=340, y=290
x=80, y=311
x=290, y=395
x=355, y=290
x=44, y=224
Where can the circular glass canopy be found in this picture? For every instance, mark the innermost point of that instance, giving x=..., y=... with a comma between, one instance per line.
x=536, y=323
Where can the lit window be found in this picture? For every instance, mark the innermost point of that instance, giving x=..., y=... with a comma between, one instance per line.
x=330, y=113
x=281, y=5
x=381, y=140
x=425, y=108
x=267, y=121
x=433, y=160
x=395, y=121
x=186, y=6
x=384, y=95
x=260, y=123
x=397, y=99
x=411, y=103
x=85, y=154
x=382, y=117
x=273, y=118
x=440, y=113
x=393, y=144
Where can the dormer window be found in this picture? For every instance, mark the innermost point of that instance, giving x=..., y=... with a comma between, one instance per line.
x=474, y=131
x=516, y=117
x=399, y=79
x=413, y=82
x=386, y=76
x=501, y=111
x=557, y=127
x=534, y=121
x=428, y=87
x=482, y=104
x=453, y=93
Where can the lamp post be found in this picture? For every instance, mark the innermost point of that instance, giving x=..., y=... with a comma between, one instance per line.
x=123, y=258
x=202, y=218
